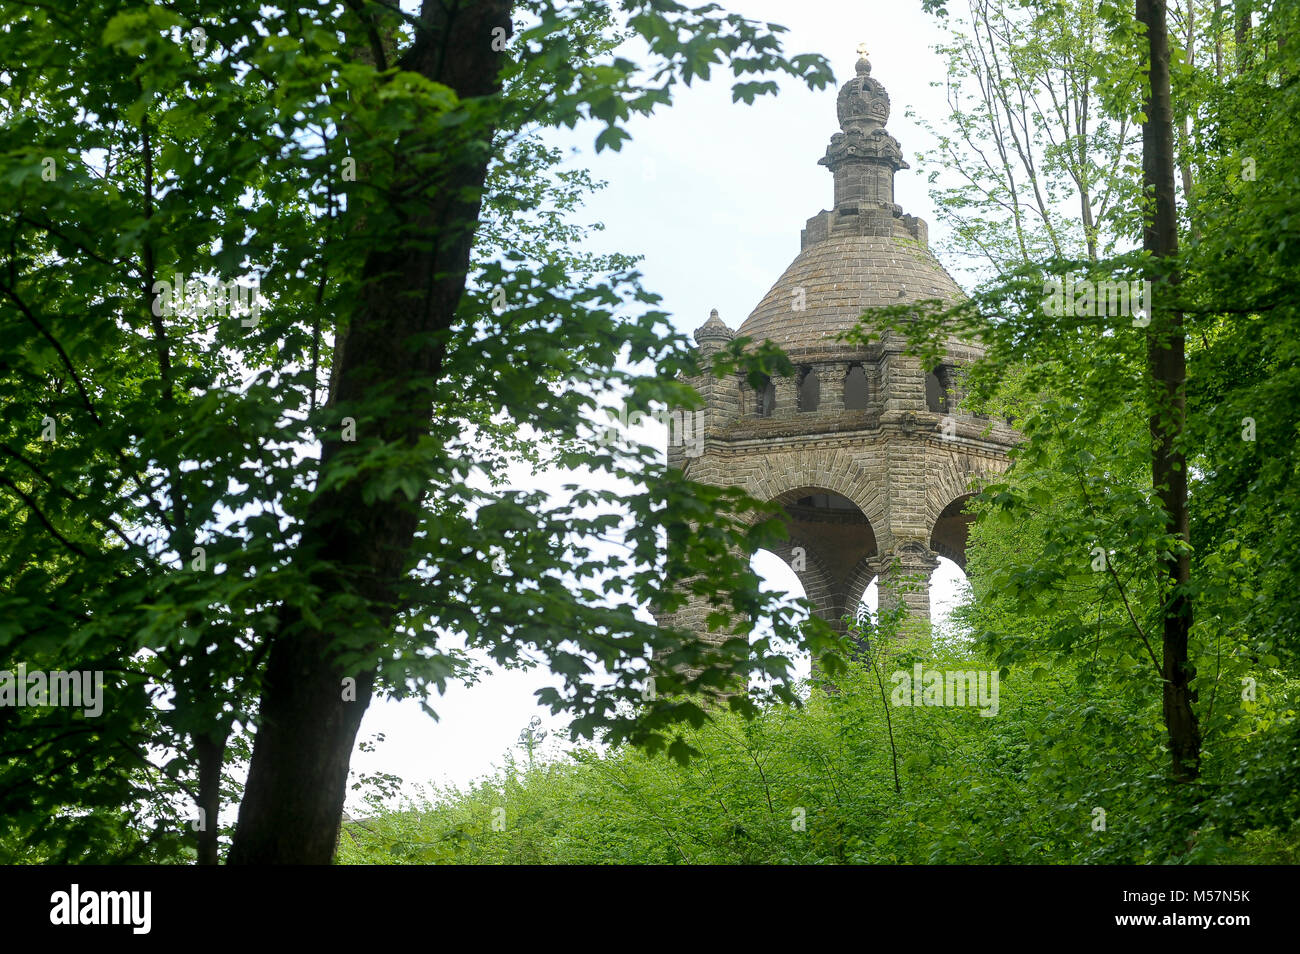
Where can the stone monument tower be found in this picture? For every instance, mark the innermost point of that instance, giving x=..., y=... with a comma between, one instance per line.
x=869, y=453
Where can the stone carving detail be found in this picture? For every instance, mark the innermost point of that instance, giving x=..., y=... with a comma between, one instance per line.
x=856, y=144
x=862, y=100
x=863, y=157
x=913, y=549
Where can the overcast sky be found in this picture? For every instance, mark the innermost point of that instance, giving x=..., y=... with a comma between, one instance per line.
x=714, y=196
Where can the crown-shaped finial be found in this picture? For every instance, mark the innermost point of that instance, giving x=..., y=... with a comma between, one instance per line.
x=863, y=101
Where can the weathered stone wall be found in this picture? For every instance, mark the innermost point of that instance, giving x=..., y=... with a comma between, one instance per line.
x=900, y=470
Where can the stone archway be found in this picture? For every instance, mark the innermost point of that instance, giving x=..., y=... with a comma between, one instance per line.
x=951, y=531
x=830, y=539
x=805, y=562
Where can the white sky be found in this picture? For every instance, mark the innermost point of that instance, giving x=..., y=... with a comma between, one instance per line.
x=714, y=195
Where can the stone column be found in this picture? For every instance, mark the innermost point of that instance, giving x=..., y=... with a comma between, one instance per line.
x=832, y=374
x=787, y=397
x=902, y=382
x=905, y=579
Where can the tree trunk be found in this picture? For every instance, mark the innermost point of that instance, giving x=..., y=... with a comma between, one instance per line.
x=211, y=752
x=1242, y=31
x=297, y=779
x=1166, y=359
x=1218, y=39
x=1185, y=145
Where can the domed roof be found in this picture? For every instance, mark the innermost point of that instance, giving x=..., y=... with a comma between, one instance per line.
x=836, y=280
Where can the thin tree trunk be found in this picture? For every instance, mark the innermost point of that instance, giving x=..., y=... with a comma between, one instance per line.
x=1243, y=8
x=1185, y=145
x=297, y=778
x=211, y=756
x=1218, y=39
x=1168, y=367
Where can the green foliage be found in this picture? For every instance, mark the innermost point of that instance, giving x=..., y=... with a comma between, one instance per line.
x=1064, y=560
x=1017, y=788
x=303, y=150
x=1066, y=595
x=1042, y=131
x=299, y=148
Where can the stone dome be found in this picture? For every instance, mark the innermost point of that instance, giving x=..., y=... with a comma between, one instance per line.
x=836, y=280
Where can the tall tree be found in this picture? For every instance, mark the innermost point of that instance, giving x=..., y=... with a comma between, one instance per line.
x=1032, y=159
x=395, y=340
x=378, y=175
x=1167, y=363
x=1086, y=366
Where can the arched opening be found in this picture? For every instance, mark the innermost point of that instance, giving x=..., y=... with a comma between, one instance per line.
x=952, y=530
x=949, y=588
x=936, y=395
x=855, y=389
x=948, y=584
x=776, y=576
x=830, y=543
x=810, y=390
x=765, y=398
